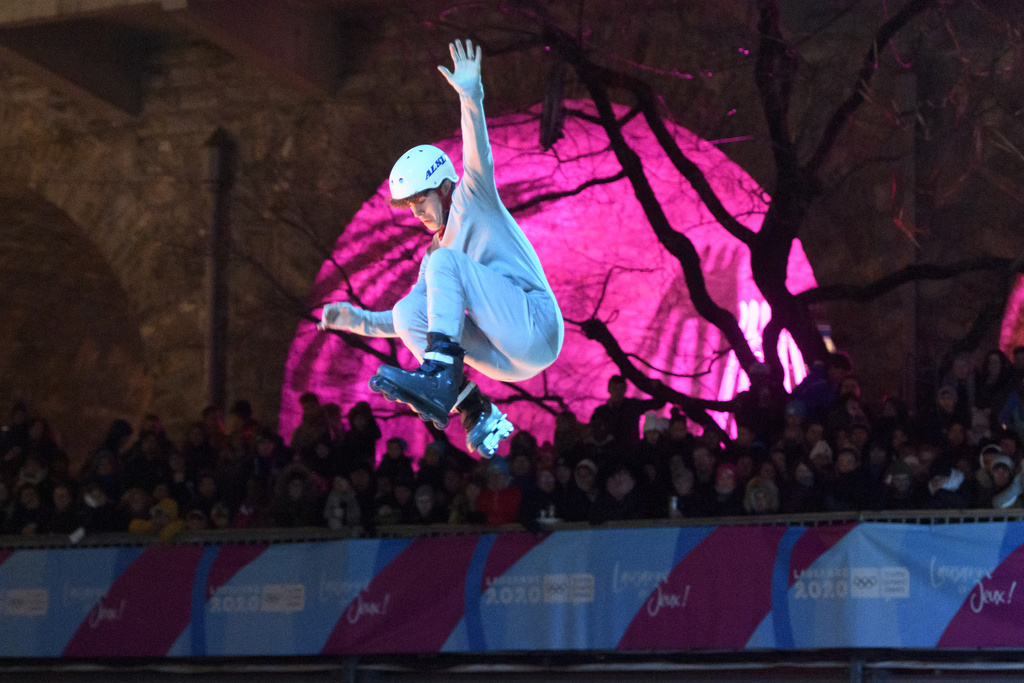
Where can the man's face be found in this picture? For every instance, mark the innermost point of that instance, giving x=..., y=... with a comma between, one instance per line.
x=429, y=211
x=620, y=484
x=725, y=482
x=759, y=500
x=403, y=494
x=360, y=480
x=520, y=466
x=682, y=484
x=703, y=459
x=29, y=498
x=207, y=487
x=814, y=433
x=835, y=375
x=846, y=462
x=804, y=474
x=424, y=503
x=616, y=390
x=901, y=483
x=1001, y=476
x=585, y=478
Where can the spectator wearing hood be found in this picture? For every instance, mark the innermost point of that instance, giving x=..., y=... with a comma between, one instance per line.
x=164, y=521
x=341, y=509
x=582, y=492
x=1006, y=483
x=761, y=497
x=728, y=500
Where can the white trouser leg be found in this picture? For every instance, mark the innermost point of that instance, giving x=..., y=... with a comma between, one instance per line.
x=410, y=319
x=508, y=334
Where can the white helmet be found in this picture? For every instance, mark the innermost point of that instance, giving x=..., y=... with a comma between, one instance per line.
x=421, y=168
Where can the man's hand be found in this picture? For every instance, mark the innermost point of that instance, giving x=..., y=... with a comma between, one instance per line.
x=338, y=316
x=467, y=66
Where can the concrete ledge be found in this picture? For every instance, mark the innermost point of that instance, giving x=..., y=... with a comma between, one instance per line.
x=45, y=11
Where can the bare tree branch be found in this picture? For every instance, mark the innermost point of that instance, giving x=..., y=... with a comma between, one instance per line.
x=869, y=64
x=676, y=243
x=773, y=74
x=543, y=402
x=695, y=408
x=551, y=196
x=910, y=273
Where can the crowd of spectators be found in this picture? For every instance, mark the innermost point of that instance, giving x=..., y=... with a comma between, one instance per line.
x=817, y=449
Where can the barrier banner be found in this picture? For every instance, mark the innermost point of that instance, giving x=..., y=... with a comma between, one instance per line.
x=662, y=588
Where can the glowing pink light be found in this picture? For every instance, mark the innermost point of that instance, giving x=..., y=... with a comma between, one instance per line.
x=754, y=315
x=1011, y=334
x=586, y=240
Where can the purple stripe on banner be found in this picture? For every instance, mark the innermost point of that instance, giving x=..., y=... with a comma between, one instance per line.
x=4, y=554
x=993, y=611
x=412, y=605
x=814, y=543
x=714, y=598
x=230, y=560
x=506, y=551
x=145, y=610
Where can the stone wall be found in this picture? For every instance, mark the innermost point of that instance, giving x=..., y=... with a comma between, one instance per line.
x=111, y=318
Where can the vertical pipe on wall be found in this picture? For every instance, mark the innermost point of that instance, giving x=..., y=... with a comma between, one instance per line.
x=223, y=150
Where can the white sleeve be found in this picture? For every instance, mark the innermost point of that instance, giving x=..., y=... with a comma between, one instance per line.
x=477, y=160
x=375, y=324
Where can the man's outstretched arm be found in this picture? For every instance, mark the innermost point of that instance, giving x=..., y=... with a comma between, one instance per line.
x=347, y=318
x=477, y=161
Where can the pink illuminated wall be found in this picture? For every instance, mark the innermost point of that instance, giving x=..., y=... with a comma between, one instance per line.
x=583, y=241
x=1012, y=332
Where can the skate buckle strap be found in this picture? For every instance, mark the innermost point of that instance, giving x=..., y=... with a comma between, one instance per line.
x=470, y=386
x=439, y=357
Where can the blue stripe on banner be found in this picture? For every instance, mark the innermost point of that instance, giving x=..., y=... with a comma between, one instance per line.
x=780, y=588
x=124, y=559
x=688, y=539
x=475, y=637
x=1013, y=538
x=388, y=550
x=199, y=600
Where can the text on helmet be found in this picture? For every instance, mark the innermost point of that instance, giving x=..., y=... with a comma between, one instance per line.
x=437, y=164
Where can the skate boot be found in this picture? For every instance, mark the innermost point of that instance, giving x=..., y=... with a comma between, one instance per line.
x=485, y=425
x=432, y=389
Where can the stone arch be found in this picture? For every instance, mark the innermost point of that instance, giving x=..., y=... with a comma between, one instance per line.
x=70, y=344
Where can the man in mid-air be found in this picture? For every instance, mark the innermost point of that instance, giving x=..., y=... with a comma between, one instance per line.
x=481, y=297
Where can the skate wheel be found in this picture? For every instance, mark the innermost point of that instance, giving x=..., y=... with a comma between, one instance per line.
x=425, y=418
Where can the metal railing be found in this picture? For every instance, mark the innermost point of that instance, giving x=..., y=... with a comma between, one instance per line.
x=317, y=534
